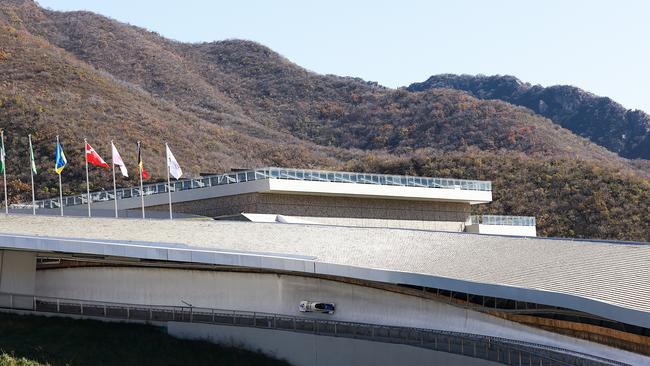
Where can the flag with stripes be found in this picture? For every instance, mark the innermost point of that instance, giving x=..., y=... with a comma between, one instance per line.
x=141, y=169
x=2, y=156
x=60, y=160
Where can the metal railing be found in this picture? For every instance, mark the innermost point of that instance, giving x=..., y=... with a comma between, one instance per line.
x=501, y=350
x=503, y=220
x=273, y=173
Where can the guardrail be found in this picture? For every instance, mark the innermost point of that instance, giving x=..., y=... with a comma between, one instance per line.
x=271, y=173
x=503, y=220
x=501, y=350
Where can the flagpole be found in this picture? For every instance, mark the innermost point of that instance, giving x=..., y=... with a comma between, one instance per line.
x=114, y=186
x=60, y=184
x=169, y=185
x=4, y=170
x=87, y=178
x=141, y=186
x=31, y=172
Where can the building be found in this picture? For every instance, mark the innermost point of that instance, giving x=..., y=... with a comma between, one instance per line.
x=318, y=197
x=405, y=292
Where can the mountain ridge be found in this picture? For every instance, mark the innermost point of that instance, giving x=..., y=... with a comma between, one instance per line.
x=239, y=104
x=251, y=82
x=602, y=120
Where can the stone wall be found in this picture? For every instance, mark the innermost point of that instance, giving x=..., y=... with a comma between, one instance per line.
x=400, y=224
x=325, y=207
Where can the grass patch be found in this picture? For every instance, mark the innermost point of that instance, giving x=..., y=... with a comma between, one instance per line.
x=9, y=360
x=27, y=340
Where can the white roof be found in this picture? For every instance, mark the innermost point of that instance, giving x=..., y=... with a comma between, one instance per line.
x=608, y=279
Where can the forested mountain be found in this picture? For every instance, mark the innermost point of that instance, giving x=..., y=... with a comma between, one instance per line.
x=248, y=87
x=569, y=197
x=600, y=119
x=239, y=104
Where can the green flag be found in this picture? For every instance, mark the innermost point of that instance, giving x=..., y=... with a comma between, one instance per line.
x=31, y=157
x=2, y=156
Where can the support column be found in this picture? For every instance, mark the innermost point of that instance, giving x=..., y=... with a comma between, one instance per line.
x=17, y=277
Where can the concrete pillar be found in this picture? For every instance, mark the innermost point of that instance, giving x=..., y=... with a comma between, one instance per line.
x=17, y=276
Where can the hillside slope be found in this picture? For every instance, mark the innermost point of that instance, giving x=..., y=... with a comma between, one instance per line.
x=48, y=92
x=603, y=121
x=248, y=87
x=239, y=104
x=569, y=197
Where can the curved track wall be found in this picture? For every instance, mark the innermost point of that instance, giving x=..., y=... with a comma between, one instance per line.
x=275, y=293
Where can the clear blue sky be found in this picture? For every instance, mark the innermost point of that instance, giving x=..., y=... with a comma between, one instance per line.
x=600, y=46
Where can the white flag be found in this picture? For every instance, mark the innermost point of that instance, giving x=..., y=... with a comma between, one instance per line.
x=172, y=164
x=117, y=160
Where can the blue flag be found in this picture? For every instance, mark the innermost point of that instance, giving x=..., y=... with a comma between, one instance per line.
x=60, y=159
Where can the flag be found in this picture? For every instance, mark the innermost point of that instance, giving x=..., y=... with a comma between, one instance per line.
x=60, y=160
x=93, y=157
x=141, y=169
x=172, y=164
x=31, y=158
x=2, y=156
x=117, y=160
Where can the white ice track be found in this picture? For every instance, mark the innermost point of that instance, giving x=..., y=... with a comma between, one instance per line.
x=280, y=294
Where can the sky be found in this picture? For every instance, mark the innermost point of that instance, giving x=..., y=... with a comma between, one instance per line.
x=600, y=46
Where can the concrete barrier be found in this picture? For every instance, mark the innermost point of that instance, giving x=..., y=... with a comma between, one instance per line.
x=280, y=294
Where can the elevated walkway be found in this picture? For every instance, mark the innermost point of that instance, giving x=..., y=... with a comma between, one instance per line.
x=287, y=181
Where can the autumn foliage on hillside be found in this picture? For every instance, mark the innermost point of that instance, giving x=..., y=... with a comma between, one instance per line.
x=570, y=198
x=48, y=93
x=603, y=121
x=238, y=104
x=250, y=88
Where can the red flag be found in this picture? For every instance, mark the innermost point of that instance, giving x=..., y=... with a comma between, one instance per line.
x=94, y=158
x=145, y=173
